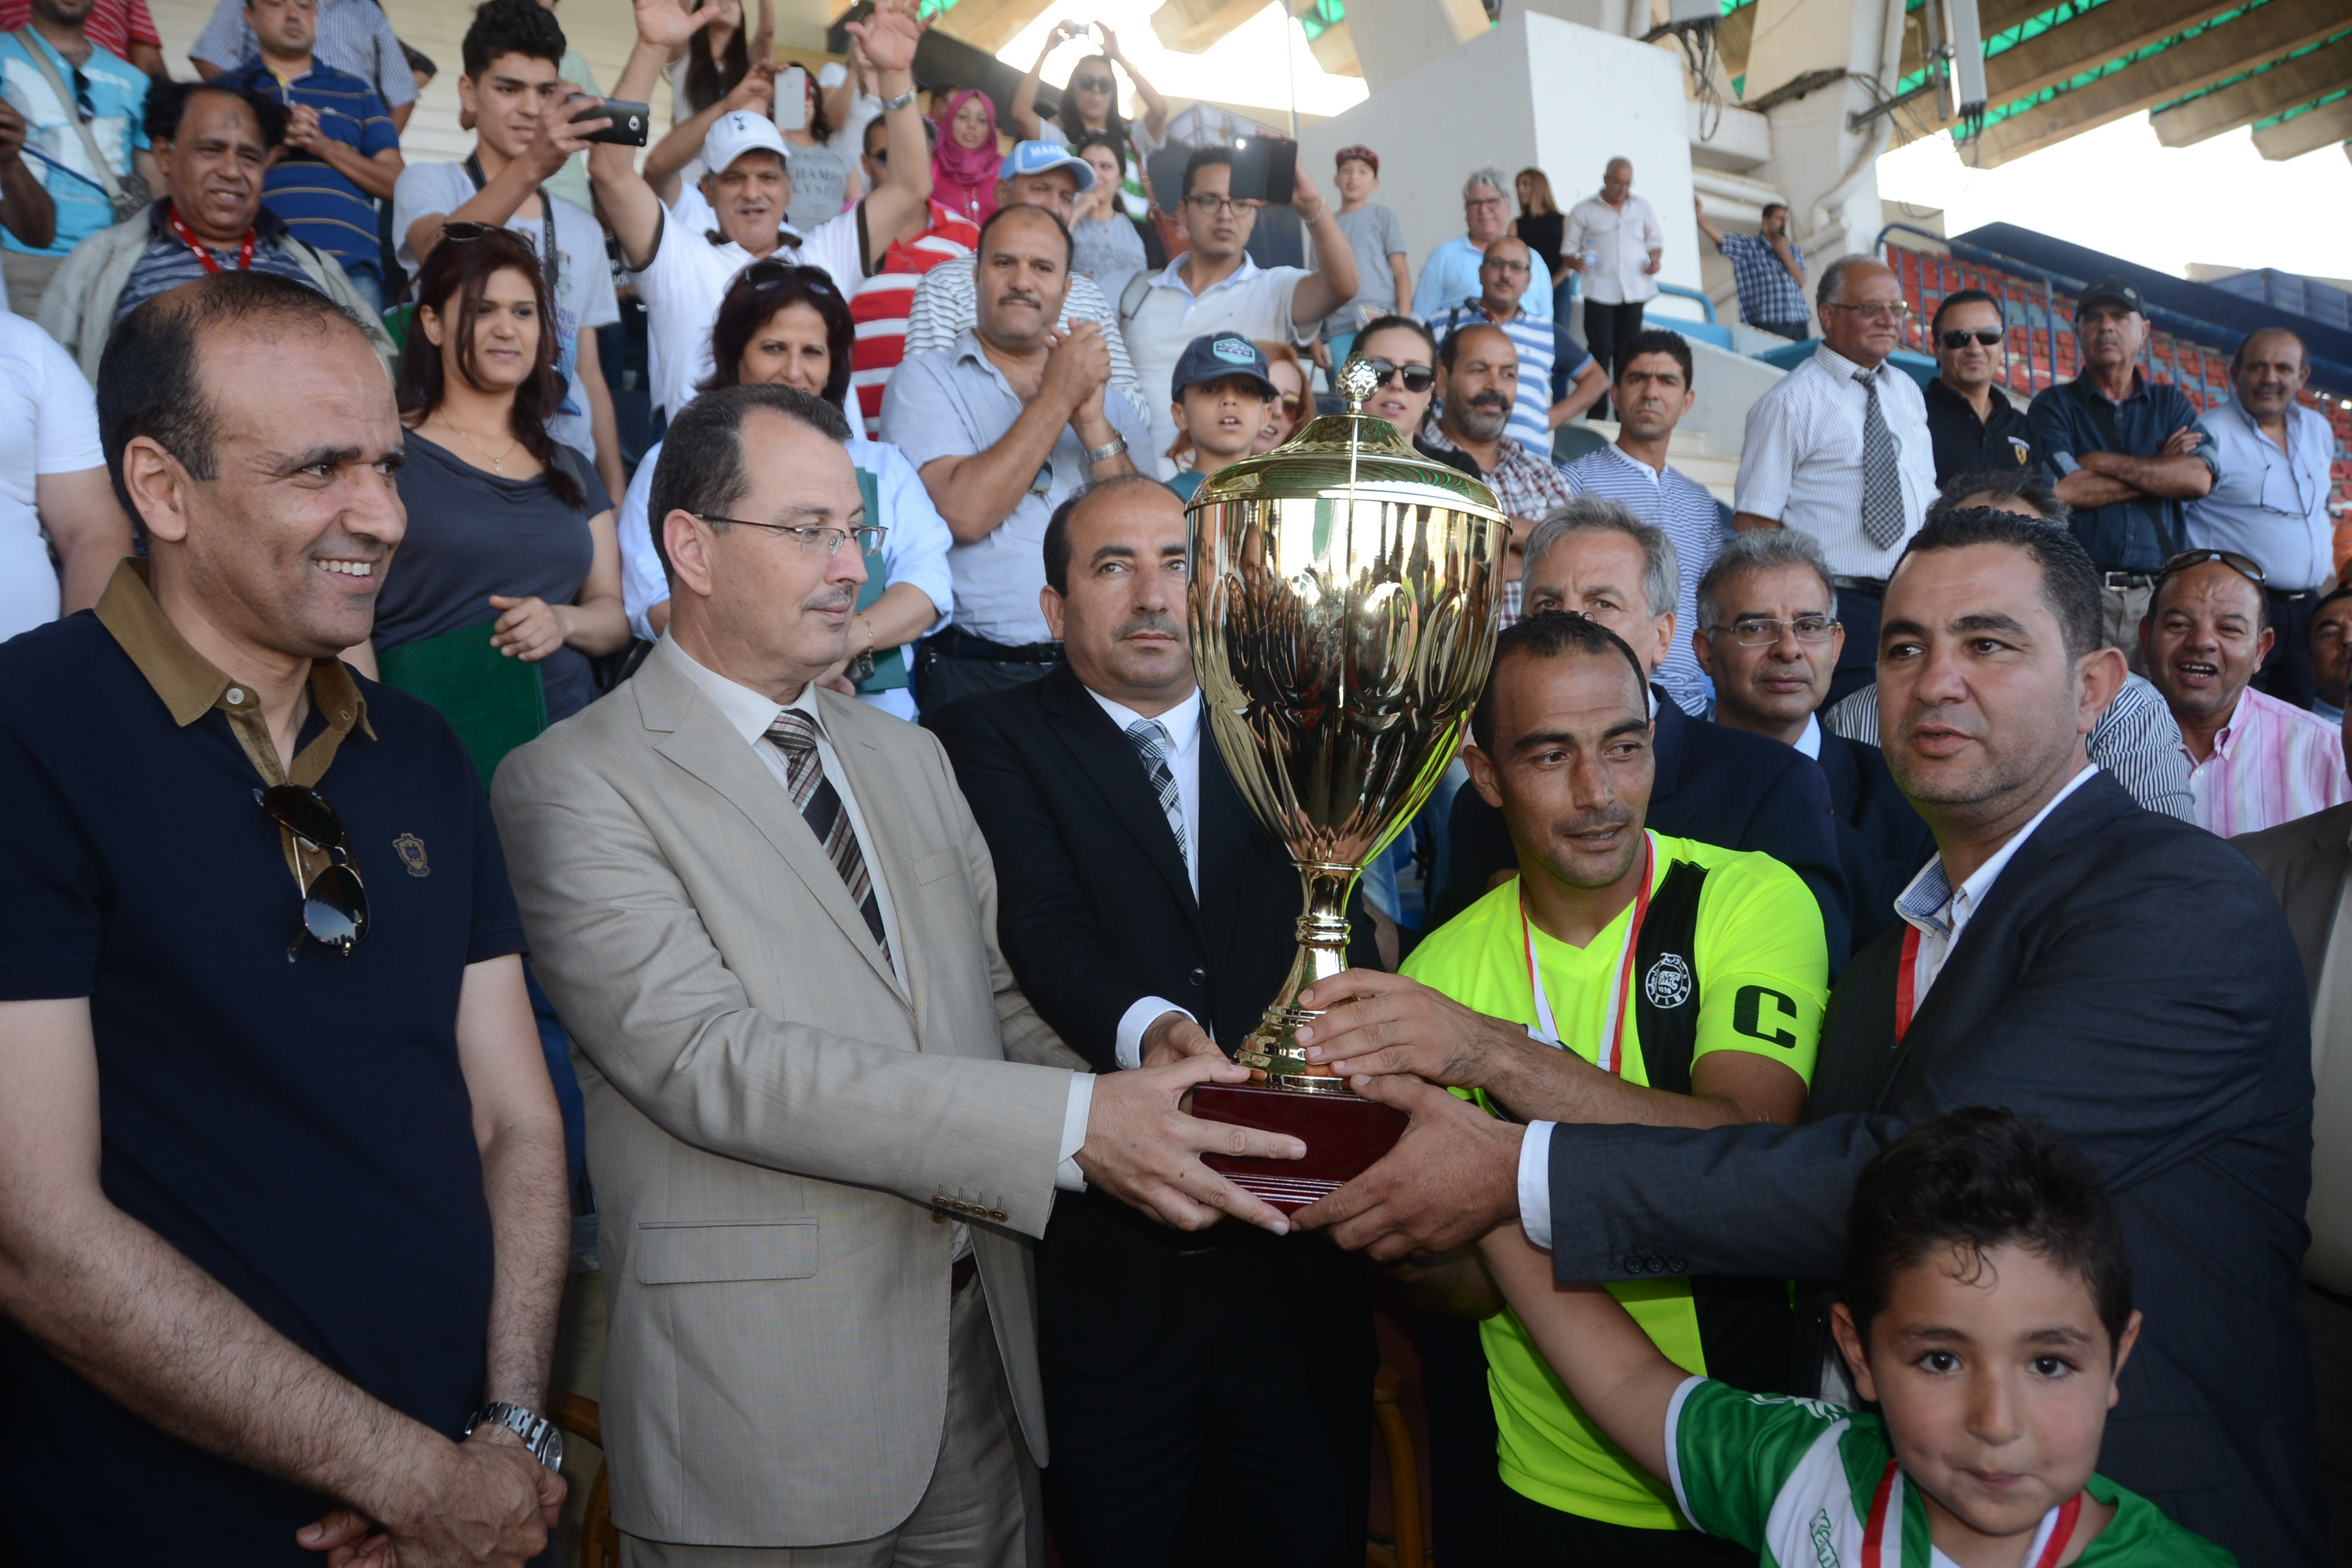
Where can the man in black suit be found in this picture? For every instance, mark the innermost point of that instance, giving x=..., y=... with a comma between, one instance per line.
x=2068, y=955
x=1595, y=557
x=1767, y=636
x=1147, y=917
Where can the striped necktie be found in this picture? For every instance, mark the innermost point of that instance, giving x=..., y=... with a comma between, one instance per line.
x=794, y=734
x=1882, y=472
x=1151, y=743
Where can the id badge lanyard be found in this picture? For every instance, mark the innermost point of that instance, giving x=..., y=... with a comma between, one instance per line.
x=1612, y=1053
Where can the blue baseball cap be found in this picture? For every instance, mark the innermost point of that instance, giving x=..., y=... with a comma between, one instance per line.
x=1217, y=355
x=1039, y=157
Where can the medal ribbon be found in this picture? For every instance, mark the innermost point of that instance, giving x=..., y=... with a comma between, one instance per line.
x=1612, y=1059
x=1882, y=1534
x=244, y=251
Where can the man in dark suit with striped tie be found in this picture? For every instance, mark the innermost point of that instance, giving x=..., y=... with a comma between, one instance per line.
x=1147, y=917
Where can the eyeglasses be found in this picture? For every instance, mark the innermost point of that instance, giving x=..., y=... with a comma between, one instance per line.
x=1415, y=378
x=1208, y=204
x=1481, y=201
x=1092, y=84
x=1757, y=631
x=772, y=271
x=465, y=230
x=334, y=903
x=1987, y=336
x=2246, y=566
x=1509, y=268
x=1874, y=310
x=821, y=538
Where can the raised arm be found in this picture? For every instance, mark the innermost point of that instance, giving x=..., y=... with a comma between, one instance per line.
x=1333, y=282
x=630, y=207
x=1155, y=105
x=683, y=143
x=890, y=36
x=555, y=138
x=1706, y=227
x=1026, y=125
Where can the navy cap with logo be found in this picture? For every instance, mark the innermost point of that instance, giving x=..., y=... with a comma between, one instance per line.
x=2112, y=290
x=1216, y=355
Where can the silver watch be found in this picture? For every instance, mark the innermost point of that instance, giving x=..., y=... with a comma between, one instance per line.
x=1107, y=451
x=540, y=1435
x=900, y=101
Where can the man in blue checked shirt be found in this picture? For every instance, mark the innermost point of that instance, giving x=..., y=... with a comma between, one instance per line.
x=1768, y=267
x=342, y=153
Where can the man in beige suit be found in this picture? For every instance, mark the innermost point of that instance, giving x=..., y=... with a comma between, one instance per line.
x=821, y=1117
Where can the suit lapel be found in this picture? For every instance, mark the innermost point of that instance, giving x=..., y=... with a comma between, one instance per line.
x=1109, y=761
x=882, y=802
x=1666, y=746
x=1228, y=834
x=703, y=743
x=2315, y=884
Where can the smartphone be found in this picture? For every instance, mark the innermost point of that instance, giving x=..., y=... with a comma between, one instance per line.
x=629, y=122
x=791, y=98
x=1265, y=169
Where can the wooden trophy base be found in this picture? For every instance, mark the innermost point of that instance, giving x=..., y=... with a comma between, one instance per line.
x=1344, y=1134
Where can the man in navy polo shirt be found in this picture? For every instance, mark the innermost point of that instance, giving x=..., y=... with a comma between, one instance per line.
x=282, y=1213
x=341, y=153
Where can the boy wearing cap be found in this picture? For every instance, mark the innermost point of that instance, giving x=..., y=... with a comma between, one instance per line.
x=1222, y=387
x=1381, y=276
x=522, y=113
x=946, y=302
x=682, y=275
x=2126, y=453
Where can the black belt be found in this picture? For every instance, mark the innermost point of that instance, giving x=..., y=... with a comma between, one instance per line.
x=1874, y=587
x=960, y=1275
x=2127, y=579
x=953, y=644
x=2292, y=596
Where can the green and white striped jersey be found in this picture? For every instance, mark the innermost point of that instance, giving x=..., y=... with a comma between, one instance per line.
x=1796, y=1479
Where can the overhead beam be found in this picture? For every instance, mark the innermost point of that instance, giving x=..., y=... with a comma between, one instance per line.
x=2305, y=132
x=2216, y=55
x=2258, y=97
x=1334, y=49
x=989, y=25
x=1732, y=36
x=1191, y=26
x=2086, y=41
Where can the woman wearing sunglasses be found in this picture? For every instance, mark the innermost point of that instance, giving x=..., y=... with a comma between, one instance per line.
x=510, y=563
x=1090, y=102
x=1403, y=353
x=788, y=325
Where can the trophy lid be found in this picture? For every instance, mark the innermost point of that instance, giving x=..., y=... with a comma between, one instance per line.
x=1350, y=452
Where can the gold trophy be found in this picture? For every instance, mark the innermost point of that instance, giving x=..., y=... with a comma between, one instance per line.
x=1345, y=595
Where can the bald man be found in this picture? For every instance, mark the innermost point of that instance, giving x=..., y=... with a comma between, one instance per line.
x=2270, y=499
x=1841, y=450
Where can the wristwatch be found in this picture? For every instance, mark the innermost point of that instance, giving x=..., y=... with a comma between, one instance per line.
x=540, y=1435
x=1107, y=451
x=900, y=101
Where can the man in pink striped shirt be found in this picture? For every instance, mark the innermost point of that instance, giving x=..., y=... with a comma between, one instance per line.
x=2253, y=761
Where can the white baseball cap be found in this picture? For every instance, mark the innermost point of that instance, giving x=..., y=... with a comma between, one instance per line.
x=738, y=132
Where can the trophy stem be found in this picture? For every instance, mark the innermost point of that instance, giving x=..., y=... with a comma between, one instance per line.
x=1269, y=1051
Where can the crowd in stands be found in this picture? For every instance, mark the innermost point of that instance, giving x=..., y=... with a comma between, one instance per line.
x=781, y=886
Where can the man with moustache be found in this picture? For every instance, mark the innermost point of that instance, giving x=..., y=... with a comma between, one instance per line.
x=1003, y=427
x=283, y=1223
x=1478, y=385
x=1147, y=918
x=1544, y=352
x=1629, y=976
x=2128, y=454
x=2039, y=967
x=1971, y=423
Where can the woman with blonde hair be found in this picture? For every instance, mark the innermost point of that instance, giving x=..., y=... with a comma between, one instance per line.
x=1543, y=225
x=1293, y=406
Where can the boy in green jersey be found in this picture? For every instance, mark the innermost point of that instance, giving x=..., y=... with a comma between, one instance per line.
x=1987, y=1311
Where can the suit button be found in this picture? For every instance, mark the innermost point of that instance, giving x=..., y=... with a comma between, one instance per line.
x=1657, y=1264
x=1675, y=1266
x=997, y=1215
x=1632, y=1266
x=1199, y=977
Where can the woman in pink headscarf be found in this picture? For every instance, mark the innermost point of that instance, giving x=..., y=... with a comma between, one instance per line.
x=963, y=169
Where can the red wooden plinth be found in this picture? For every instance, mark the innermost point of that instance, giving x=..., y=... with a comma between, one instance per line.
x=1343, y=1134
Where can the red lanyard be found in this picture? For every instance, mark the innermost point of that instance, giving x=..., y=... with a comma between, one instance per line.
x=244, y=251
x=1906, y=981
x=1886, y=1517
x=1612, y=1061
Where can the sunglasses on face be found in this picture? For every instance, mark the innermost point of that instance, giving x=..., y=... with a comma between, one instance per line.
x=1988, y=336
x=1414, y=378
x=2246, y=566
x=1091, y=84
x=334, y=903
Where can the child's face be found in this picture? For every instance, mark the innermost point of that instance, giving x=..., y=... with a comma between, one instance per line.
x=1995, y=1376
x=1223, y=415
x=1356, y=179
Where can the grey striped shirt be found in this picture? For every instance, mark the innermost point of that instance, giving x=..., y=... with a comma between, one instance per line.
x=2136, y=740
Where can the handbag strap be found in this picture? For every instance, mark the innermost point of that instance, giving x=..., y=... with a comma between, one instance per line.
x=66, y=101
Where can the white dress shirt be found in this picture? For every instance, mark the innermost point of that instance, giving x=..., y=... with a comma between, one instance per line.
x=1810, y=743
x=1801, y=462
x=1183, y=723
x=1623, y=239
x=1929, y=904
x=750, y=714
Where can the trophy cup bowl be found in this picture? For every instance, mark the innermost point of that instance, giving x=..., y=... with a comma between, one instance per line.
x=1344, y=600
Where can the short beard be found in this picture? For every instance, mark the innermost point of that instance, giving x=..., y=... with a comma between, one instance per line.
x=1479, y=424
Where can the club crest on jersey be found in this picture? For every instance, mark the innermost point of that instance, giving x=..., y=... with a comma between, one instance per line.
x=411, y=850
x=1669, y=983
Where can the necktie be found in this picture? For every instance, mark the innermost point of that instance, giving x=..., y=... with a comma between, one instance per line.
x=794, y=734
x=1882, y=472
x=1151, y=743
